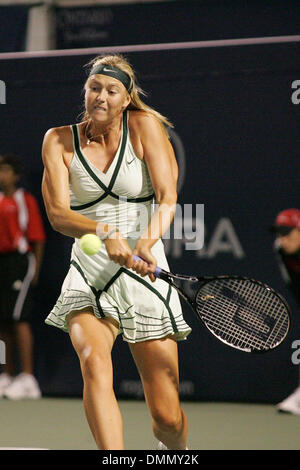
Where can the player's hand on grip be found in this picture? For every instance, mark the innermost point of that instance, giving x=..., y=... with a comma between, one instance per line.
x=118, y=250
x=146, y=267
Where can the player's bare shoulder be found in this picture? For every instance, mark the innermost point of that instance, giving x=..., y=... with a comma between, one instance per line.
x=134, y=123
x=145, y=129
x=58, y=135
x=140, y=121
x=58, y=141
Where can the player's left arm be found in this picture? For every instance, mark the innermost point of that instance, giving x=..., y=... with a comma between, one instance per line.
x=159, y=157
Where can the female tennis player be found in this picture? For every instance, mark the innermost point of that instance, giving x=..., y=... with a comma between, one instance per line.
x=101, y=177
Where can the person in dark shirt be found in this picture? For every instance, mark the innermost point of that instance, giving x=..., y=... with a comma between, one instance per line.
x=287, y=249
x=22, y=240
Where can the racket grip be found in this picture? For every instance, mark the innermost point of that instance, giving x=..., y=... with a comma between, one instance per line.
x=157, y=271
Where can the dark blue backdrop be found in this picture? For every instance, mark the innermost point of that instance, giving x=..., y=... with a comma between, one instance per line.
x=169, y=21
x=233, y=113
x=13, y=27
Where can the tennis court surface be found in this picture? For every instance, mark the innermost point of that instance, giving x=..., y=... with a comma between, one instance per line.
x=60, y=424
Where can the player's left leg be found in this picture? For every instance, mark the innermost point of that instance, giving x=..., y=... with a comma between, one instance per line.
x=157, y=363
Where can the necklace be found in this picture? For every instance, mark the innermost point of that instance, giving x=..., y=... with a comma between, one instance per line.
x=90, y=139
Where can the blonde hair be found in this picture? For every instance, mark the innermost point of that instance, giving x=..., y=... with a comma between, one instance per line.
x=118, y=60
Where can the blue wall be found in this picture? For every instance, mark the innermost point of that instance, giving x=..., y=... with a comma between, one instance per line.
x=233, y=113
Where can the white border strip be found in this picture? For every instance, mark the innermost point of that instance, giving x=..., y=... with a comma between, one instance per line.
x=151, y=47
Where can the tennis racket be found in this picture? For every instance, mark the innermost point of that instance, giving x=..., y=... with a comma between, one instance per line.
x=242, y=313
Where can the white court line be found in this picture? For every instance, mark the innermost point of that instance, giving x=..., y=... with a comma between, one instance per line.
x=151, y=47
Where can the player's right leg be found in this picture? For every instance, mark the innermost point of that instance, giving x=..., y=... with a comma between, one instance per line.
x=93, y=340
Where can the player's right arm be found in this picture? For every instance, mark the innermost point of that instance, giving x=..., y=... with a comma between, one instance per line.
x=55, y=190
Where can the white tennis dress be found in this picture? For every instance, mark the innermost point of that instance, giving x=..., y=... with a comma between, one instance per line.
x=122, y=197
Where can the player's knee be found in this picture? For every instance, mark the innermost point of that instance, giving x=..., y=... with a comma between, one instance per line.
x=168, y=420
x=95, y=367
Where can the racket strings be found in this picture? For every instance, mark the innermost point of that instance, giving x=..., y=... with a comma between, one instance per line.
x=272, y=323
x=242, y=313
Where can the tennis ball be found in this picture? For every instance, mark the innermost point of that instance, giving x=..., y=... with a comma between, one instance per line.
x=90, y=244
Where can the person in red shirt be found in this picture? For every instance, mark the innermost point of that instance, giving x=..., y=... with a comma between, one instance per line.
x=22, y=239
x=287, y=249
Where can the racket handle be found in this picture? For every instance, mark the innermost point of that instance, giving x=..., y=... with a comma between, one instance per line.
x=157, y=271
